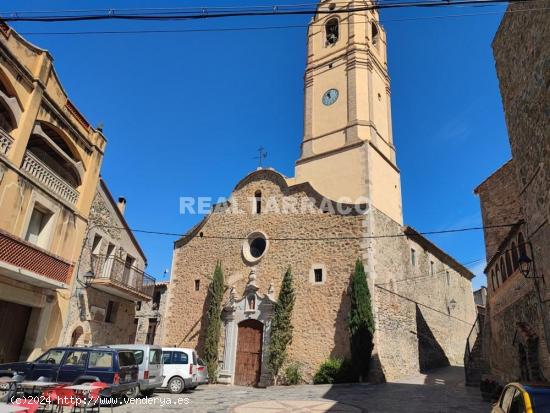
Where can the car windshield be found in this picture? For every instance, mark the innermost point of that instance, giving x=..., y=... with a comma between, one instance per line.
x=53, y=356
x=541, y=401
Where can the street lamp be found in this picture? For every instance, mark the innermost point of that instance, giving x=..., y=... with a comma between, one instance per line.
x=452, y=304
x=88, y=278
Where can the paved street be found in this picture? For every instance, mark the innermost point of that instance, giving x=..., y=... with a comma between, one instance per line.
x=439, y=392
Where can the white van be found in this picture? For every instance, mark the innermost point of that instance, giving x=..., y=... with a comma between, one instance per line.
x=180, y=369
x=149, y=359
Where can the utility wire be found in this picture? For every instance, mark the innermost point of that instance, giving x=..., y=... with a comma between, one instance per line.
x=421, y=304
x=262, y=28
x=272, y=11
x=231, y=237
x=423, y=277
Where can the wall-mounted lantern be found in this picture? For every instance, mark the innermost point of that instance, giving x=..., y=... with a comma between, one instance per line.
x=88, y=278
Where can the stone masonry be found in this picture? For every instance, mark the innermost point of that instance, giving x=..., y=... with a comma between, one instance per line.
x=517, y=327
x=424, y=312
x=88, y=323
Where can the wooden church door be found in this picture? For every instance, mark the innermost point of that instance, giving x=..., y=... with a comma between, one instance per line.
x=249, y=353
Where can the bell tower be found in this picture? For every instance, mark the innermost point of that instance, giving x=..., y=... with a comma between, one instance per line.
x=347, y=148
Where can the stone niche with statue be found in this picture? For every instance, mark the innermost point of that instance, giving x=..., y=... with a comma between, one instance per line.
x=247, y=326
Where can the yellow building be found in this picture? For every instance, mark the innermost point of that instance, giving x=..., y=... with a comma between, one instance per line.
x=50, y=158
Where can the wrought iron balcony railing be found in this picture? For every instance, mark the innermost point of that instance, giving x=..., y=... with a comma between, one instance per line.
x=119, y=273
x=46, y=176
x=5, y=142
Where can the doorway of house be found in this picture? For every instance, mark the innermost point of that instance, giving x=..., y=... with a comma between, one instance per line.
x=14, y=319
x=248, y=366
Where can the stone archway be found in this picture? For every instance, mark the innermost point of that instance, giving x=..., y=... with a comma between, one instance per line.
x=246, y=332
x=248, y=366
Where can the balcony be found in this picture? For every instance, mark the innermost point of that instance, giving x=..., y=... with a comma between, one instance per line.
x=5, y=142
x=114, y=276
x=47, y=177
x=24, y=262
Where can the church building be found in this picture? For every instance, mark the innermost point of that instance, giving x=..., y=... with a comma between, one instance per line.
x=343, y=203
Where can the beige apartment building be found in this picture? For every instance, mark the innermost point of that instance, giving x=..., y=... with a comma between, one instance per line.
x=50, y=157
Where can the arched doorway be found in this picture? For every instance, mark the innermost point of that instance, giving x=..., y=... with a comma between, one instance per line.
x=248, y=365
x=75, y=337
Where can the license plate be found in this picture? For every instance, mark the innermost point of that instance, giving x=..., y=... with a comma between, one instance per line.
x=128, y=377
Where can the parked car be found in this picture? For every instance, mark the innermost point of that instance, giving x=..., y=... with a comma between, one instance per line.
x=149, y=359
x=202, y=371
x=78, y=365
x=180, y=369
x=523, y=398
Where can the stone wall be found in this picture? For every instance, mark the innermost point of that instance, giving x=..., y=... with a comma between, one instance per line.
x=424, y=311
x=88, y=305
x=498, y=195
x=152, y=311
x=516, y=311
x=321, y=310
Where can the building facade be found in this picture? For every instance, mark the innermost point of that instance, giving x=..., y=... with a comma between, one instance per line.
x=344, y=203
x=150, y=316
x=517, y=327
x=50, y=158
x=111, y=278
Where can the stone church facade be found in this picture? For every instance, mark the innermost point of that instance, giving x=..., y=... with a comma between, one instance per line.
x=343, y=204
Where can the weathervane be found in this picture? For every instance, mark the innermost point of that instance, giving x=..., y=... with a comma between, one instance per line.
x=262, y=154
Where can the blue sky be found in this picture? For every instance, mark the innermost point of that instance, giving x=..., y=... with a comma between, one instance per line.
x=185, y=113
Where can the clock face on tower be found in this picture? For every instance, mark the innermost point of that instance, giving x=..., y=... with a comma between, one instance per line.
x=330, y=96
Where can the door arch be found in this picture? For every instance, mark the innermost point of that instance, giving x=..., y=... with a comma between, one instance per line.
x=248, y=365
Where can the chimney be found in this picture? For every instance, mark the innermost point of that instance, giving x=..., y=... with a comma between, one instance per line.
x=121, y=204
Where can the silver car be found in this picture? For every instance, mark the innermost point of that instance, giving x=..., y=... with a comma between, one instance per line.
x=149, y=360
x=202, y=373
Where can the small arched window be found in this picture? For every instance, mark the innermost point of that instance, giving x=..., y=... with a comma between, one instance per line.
x=509, y=268
x=493, y=280
x=332, y=31
x=504, y=275
x=497, y=275
x=258, y=202
x=375, y=34
x=515, y=256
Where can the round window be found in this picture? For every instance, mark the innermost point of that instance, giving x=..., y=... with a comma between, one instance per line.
x=255, y=247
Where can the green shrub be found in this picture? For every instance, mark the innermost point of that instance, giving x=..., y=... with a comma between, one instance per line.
x=293, y=374
x=334, y=370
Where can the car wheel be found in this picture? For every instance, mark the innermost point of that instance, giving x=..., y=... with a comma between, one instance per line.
x=175, y=385
x=148, y=392
x=131, y=393
x=5, y=390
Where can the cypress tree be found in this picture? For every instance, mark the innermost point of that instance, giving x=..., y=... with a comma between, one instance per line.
x=213, y=327
x=281, y=326
x=360, y=323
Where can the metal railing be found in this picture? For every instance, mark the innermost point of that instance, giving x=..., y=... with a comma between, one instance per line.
x=46, y=176
x=5, y=142
x=119, y=272
x=23, y=254
x=475, y=332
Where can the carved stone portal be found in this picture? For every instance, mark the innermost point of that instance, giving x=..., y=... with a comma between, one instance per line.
x=236, y=313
